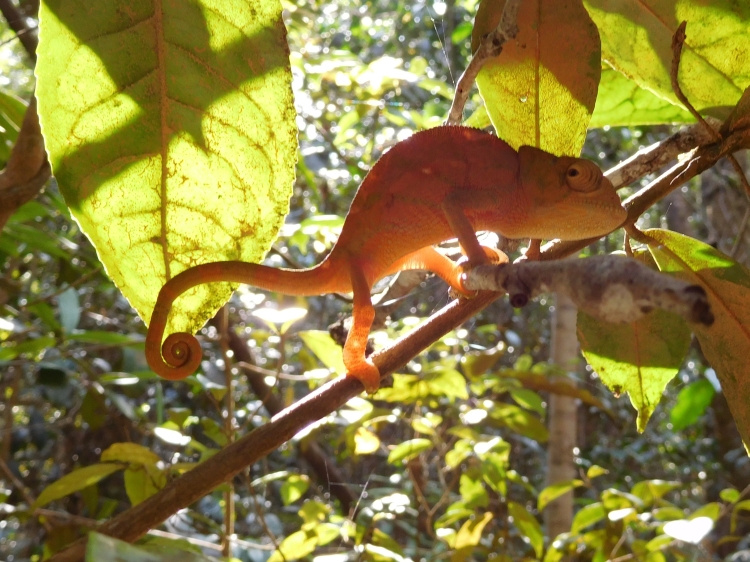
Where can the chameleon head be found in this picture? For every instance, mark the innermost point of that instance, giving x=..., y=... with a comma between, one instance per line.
x=568, y=198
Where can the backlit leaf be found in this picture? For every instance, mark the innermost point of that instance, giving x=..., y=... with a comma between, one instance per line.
x=170, y=129
x=101, y=547
x=551, y=493
x=295, y=546
x=130, y=453
x=692, y=402
x=637, y=38
x=469, y=535
x=75, y=481
x=587, y=516
x=639, y=358
x=726, y=342
x=294, y=487
x=528, y=526
x=328, y=351
x=541, y=90
x=622, y=102
x=408, y=450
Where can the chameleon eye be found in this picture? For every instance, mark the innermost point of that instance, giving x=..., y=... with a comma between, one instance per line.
x=583, y=176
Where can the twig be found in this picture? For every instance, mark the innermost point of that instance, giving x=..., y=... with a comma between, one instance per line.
x=17, y=23
x=651, y=158
x=490, y=47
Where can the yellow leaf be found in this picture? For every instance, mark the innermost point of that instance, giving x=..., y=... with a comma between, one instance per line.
x=541, y=90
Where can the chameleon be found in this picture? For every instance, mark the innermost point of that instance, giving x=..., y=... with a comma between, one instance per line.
x=442, y=183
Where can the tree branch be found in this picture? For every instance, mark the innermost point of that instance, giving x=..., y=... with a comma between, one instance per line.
x=17, y=23
x=190, y=487
x=490, y=47
x=27, y=170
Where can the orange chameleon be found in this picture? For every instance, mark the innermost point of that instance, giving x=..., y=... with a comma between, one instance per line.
x=441, y=183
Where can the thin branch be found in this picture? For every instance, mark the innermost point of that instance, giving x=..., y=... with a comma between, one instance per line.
x=17, y=22
x=490, y=47
x=191, y=486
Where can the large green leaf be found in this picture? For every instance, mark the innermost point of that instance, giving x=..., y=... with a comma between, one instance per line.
x=715, y=66
x=622, y=102
x=541, y=90
x=727, y=283
x=639, y=357
x=170, y=129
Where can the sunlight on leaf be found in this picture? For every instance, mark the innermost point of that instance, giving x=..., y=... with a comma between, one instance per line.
x=172, y=135
x=637, y=40
x=726, y=342
x=640, y=357
x=528, y=526
x=692, y=532
x=408, y=450
x=75, y=481
x=541, y=90
x=621, y=102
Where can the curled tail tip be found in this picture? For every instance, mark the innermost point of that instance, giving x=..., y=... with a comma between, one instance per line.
x=180, y=357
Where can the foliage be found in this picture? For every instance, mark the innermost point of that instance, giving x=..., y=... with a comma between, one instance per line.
x=447, y=460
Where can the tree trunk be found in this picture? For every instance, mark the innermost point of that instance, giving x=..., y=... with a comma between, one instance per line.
x=558, y=515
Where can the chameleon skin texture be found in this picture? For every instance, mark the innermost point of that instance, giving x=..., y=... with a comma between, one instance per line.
x=447, y=182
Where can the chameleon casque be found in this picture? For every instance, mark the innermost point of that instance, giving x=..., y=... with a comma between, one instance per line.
x=447, y=182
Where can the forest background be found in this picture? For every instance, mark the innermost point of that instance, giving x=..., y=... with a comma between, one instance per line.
x=448, y=462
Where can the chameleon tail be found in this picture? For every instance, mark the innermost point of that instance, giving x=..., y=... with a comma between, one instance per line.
x=180, y=355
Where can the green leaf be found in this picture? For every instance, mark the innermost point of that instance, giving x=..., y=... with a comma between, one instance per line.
x=727, y=284
x=293, y=488
x=473, y=493
x=141, y=483
x=171, y=132
x=295, y=546
x=408, y=450
x=587, y=516
x=528, y=526
x=651, y=490
x=639, y=358
x=541, y=90
x=11, y=350
x=446, y=382
x=328, y=351
x=595, y=470
x=528, y=399
x=365, y=442
x=692, y=402
x=554, y=491
x=130, y=453
x=623, y=103
x=468, y=537
x=520, y=421
x=101, y=547
x=75, y=481
x=98, y=336
x=729, y=495
x=637, y=38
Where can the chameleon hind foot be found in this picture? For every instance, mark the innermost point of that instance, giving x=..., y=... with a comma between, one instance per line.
x=367, y=373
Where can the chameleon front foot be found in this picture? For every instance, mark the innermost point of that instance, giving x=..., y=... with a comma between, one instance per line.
x=367, y=373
